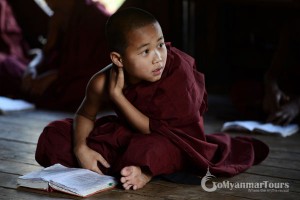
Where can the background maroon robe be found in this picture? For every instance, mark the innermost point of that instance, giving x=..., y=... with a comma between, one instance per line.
x=13, y=55
x=82, y=52
x=79, y=52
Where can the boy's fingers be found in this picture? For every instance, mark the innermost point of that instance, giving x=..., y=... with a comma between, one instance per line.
x=112, y=74
x=120, y=72
x=103, y=162
x=97, y=170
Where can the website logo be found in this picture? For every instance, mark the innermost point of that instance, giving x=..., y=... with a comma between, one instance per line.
x=263, y=186
x=205, y=179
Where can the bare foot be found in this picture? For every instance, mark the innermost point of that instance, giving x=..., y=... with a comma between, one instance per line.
x=132, y=176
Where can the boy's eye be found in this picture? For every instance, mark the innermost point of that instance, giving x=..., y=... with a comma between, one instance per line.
x=145, y=52
x=161, y=44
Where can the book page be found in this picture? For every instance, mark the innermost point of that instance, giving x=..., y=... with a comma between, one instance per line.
x=282, y=130
x=83, y=182
x=33, y=180
x=261, y=127
x=9, y=105
x=56, y=170
x=238, y=125
x=76, y=180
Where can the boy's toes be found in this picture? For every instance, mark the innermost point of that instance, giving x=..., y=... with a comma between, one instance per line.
x=123, y=179
x=135, y=187
x=127, y=186
x=126, y=171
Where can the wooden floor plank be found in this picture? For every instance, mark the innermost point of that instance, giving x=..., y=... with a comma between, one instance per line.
x=281, y=163
x=22, y=157
x=275, y=172
x=17, y=146
x=185, y=192
x=27, y=135
x=19, y=134
x=261, y=194
x=17, y=168
x=27, y=128
x=12, y=194
x=284, y=155
x=294, y=185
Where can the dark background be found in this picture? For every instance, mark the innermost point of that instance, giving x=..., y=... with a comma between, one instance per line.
x=230, y=39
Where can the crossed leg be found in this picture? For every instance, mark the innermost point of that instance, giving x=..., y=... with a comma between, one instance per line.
x=148, y=156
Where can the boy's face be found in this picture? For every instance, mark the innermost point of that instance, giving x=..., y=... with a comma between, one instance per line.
x=146, y=54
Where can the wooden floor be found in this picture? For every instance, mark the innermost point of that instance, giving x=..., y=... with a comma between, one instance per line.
x=19, y=133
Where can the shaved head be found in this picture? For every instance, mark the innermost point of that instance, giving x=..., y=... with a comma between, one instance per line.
x=121, y=23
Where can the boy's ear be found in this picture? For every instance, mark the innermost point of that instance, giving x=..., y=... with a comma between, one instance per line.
x=116, y=59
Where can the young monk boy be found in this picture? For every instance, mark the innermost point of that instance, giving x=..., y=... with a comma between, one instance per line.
x=159, y=98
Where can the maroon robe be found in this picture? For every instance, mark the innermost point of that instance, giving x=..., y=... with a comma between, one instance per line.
x=81, y=53
x=175, y=105
x=13, y=59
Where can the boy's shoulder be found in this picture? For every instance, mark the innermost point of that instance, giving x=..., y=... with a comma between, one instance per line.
x=103, y=73
x=107, y=68
x=100, y=79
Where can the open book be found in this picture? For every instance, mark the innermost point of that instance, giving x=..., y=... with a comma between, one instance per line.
x=75, y=181
x=9, y=105
x=258, y=127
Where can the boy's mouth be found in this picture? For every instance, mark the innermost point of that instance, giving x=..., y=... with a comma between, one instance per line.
x=157, y=71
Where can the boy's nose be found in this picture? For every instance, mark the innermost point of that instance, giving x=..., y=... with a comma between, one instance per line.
x=157, y=56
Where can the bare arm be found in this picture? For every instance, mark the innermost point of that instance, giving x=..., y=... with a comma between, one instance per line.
x=136, y=118
x=84, y=123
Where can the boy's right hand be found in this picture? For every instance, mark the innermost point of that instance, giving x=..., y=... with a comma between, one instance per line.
x=89, y=159
x=116, y=82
